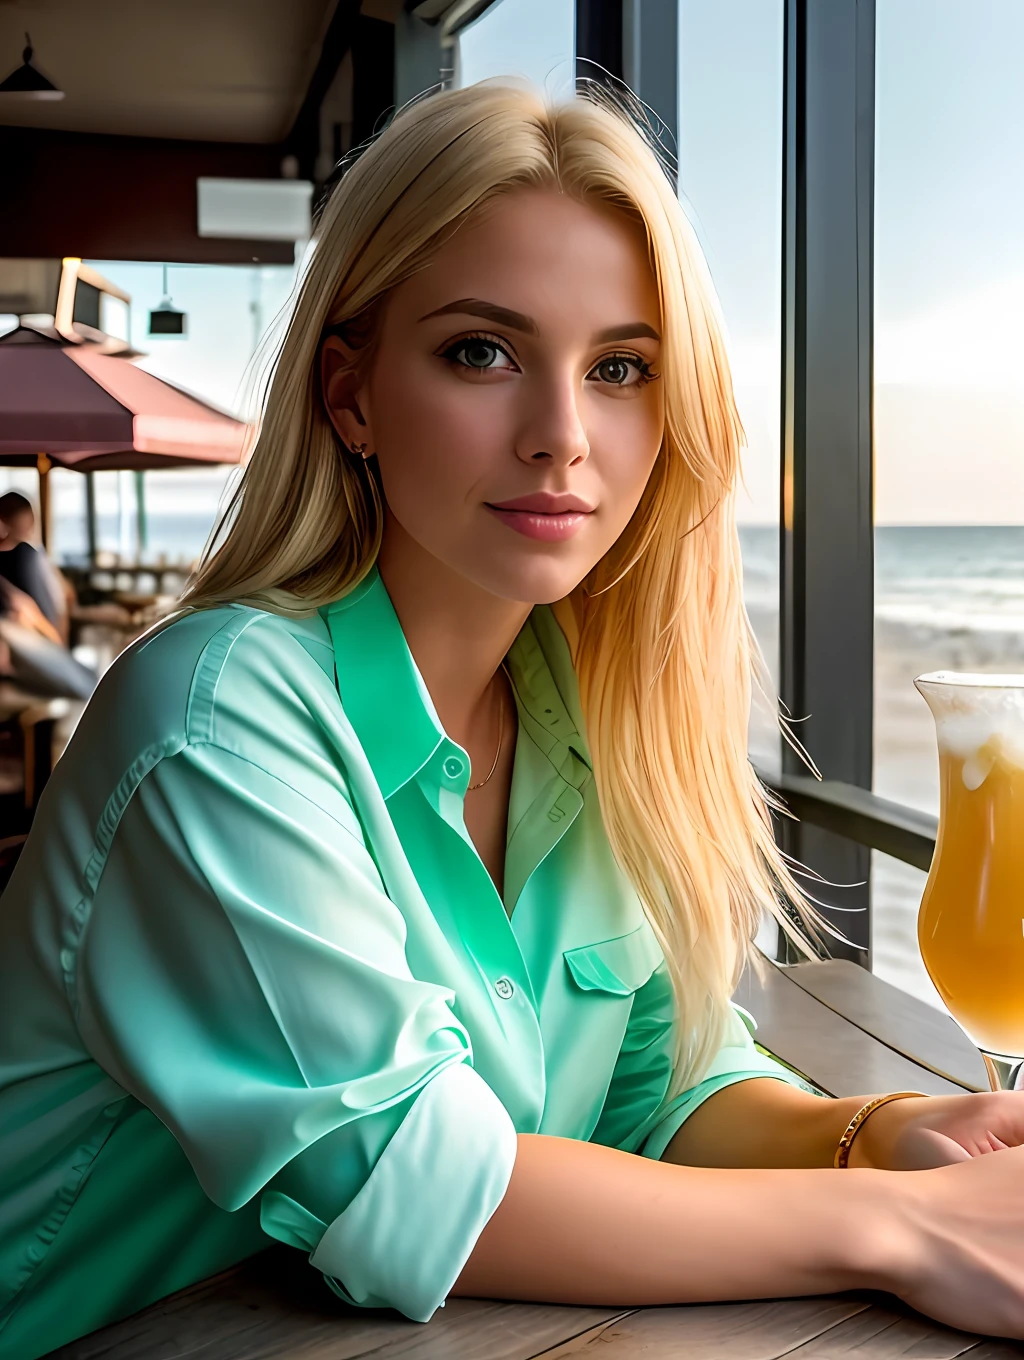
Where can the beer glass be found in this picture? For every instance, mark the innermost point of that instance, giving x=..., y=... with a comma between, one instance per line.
x=971, y=924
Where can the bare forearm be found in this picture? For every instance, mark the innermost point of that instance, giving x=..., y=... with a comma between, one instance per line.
x=586, y=1224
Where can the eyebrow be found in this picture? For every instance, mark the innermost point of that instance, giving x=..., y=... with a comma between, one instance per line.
x=516, y=321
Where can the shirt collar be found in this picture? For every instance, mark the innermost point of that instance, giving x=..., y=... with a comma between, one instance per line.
x=393, y=714
x=548, y=694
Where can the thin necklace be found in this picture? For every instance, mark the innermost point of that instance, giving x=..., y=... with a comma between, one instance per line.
x=501, y=737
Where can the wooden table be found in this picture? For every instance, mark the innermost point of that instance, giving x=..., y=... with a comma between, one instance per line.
x=848, y=1031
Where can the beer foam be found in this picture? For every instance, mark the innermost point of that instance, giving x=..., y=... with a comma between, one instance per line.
x=979, y=719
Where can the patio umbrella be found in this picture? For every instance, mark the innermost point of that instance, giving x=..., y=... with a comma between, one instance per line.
x=63, y=404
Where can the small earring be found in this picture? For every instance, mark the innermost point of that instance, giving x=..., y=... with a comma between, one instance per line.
x=359, y=450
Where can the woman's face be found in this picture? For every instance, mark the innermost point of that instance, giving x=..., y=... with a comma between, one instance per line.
x=513, y=400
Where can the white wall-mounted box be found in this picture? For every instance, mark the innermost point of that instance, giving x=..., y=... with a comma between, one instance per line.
x=255, y=209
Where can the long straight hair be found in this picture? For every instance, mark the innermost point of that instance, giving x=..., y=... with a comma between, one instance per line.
x=661, y=642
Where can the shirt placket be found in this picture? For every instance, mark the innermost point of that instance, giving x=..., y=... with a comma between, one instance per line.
x=485, y=934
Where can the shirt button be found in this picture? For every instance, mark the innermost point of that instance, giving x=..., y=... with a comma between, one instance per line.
x=504, y=988
x=67, y=960
x=453, y=767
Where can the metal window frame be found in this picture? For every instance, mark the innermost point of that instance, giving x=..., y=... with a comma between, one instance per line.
x=650, y=67
x=599, y=40
x=896, y=829
x=826, y=624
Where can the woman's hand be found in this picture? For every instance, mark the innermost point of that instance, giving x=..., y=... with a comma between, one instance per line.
x=953, y=1239
x=914, y=1135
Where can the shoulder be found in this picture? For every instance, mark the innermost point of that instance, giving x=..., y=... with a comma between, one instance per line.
x=18, y=558
x=249, y=680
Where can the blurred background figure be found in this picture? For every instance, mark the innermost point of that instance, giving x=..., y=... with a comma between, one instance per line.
x=34, y=611
x=27, y=569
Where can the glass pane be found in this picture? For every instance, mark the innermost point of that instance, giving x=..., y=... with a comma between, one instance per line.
x=949, y=355
x=532, y=38
x=896, y=891
x=730, y=183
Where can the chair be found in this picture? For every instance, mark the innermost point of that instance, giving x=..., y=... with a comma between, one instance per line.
x=35, y=715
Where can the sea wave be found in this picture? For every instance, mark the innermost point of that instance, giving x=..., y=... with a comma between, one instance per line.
x=936, y=617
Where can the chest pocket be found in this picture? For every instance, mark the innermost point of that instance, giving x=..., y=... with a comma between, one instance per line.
x=618, y=966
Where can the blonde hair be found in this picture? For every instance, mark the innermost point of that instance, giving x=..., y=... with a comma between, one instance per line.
x=662, y=647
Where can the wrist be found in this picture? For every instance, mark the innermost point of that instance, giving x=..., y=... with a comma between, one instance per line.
x=876, y=1139
x=872, y=1237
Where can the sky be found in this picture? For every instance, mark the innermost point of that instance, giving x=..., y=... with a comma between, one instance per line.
x=949, y=248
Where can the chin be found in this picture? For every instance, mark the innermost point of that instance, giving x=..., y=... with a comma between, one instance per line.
x=536, y=582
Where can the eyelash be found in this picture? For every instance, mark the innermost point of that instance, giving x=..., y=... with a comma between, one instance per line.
x=645, y=371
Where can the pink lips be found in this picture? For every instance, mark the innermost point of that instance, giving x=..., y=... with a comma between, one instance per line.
x=545, y=515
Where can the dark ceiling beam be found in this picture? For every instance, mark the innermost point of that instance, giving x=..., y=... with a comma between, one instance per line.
x=122, y=198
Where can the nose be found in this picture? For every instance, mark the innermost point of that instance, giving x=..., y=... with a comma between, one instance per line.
x=554, y=432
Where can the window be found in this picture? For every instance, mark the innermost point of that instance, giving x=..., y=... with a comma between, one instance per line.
x=895, y=954
x=531, y=38
x=949, y=388
x=730, y=184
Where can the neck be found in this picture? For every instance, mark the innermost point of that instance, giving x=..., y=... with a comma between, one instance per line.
x=457, y=632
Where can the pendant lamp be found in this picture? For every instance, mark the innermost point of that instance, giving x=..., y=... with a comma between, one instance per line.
x=165, y=319
x=25, y=82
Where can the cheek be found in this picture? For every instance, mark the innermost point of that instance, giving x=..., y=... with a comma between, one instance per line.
x=430, y=402
x=625, y=435
x=436, y=437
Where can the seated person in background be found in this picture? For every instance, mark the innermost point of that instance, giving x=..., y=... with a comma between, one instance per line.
x=25, y=566
x=19, y=607
x=33, y=612
x=32, y=652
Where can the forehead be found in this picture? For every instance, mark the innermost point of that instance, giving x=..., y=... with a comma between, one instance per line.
x=548, y=255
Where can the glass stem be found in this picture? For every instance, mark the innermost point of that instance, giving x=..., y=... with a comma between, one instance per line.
x=1004, y=1074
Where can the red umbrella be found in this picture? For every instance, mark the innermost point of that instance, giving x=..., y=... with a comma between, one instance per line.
x=65, y=404
x=93, y=411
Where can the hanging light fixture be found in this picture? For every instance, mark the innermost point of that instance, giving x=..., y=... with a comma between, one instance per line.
x=25, y=82
x=166, y=319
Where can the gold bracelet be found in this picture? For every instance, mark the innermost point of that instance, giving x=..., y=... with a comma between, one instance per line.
x=842, y=1157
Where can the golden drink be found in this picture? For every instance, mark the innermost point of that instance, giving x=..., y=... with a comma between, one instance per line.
x=971, y=924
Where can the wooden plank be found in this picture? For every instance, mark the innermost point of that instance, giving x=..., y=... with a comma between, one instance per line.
x=995, y=1350
x=836, y=1054
x=918, y=1031
x=763, y=1330
x=276, y=1305
x=783, y=1329
x=885, y=1334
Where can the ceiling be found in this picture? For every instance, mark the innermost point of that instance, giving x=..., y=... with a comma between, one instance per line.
x=212, y=70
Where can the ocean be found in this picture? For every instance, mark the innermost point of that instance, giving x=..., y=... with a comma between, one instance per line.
x=945, y=597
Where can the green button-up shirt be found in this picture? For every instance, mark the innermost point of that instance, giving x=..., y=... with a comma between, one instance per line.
x=255, y=981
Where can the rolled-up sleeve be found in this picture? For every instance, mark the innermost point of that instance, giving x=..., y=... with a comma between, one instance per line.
x=637, y=1115
x=243, y=974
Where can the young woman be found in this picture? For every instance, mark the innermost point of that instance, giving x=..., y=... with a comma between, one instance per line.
x=388, y=902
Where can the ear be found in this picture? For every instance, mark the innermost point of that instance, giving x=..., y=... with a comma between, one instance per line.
x=344, y=395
